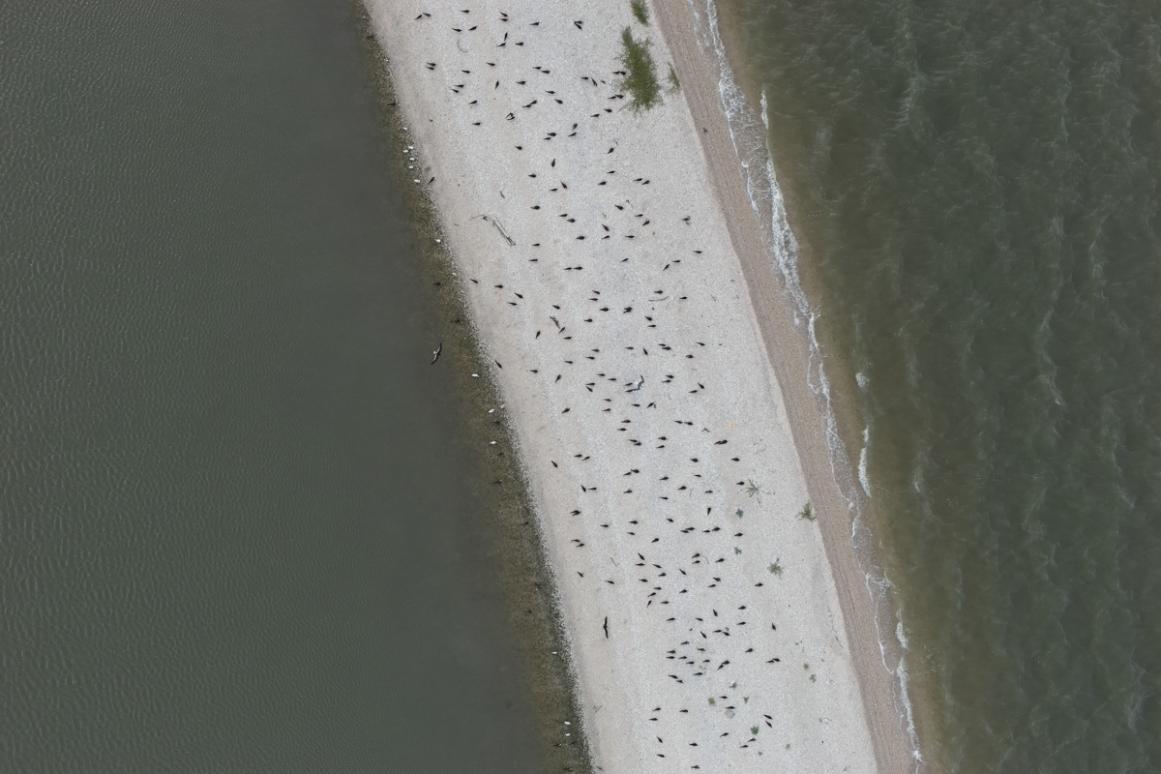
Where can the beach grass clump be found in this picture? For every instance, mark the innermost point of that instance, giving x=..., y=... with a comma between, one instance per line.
x=674, y=84
x=640, y=79
x=640, y=11
x=807, y=513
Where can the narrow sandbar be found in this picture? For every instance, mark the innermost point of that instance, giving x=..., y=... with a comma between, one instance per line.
x=616, y=303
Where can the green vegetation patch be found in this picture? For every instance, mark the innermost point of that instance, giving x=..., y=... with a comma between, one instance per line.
x=640, y=79
x=674, y=84
x=640, y=11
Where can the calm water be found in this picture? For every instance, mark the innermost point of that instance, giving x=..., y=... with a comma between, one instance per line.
x=976, y=189
x=235, y=533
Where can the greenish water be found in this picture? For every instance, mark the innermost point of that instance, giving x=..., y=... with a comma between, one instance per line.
x=237, y=531
x=975, y=191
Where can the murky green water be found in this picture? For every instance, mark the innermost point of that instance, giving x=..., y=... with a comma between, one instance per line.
x=976, y=192
x=236, y=526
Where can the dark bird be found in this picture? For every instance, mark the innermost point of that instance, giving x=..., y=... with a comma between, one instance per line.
x=606, y=627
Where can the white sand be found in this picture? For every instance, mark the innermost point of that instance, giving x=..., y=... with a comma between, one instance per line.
x=671, y=510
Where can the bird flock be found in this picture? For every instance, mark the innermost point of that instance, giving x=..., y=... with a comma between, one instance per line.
x=603, y=285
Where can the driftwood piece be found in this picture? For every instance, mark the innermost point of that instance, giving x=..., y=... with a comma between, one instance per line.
x=496, y=225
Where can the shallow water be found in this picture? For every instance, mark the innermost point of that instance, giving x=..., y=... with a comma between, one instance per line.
x=237, y=531
x=975, y=192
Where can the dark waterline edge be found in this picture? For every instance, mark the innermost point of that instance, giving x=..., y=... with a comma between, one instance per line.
x=516, y=547
x=914, y=698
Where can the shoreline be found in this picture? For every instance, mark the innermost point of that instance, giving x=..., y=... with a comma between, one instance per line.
x=823, y=582
x=848, y=433
x=845, y=431
x=514, y=544
x=788, y=345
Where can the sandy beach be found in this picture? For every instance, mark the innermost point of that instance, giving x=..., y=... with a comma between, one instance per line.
x=613, y=269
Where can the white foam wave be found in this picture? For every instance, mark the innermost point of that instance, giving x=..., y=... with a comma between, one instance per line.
x=864, y=479
x=903, y=676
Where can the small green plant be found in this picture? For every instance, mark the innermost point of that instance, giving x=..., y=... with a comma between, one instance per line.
x=775, y=568
x=640, y=78
x=807, y=513
x=640, y=11
x=674, y=84
x=753, y=730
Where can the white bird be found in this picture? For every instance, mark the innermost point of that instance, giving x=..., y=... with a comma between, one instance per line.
x=435, y=353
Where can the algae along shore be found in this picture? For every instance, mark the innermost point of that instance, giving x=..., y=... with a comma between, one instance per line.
x=655, y=383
